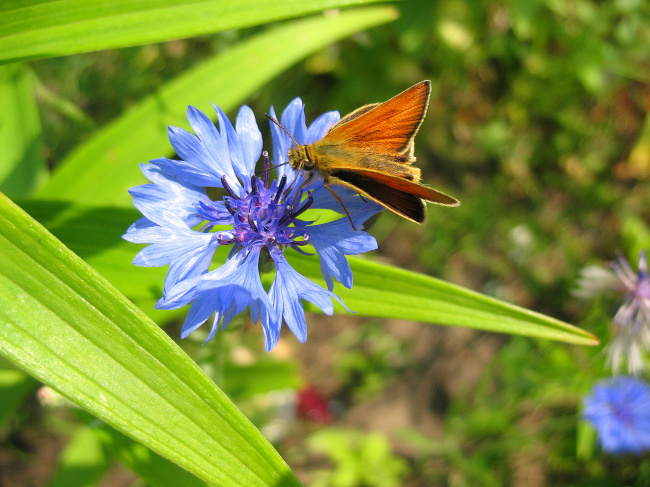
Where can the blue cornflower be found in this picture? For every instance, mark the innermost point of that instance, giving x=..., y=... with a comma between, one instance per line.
x=185, y=226
x=619, y=409
x=631, y=330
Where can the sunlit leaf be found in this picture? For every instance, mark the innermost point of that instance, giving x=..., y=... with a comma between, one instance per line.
x=67, y=326
x=43, y=28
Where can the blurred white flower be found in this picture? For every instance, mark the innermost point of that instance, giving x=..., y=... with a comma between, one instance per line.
x=631, y=324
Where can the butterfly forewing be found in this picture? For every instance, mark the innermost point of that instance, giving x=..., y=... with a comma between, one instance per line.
x=357, y=113
x=387, y=127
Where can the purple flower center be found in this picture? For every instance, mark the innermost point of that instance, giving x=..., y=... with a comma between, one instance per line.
x=622, y=413
x=260, y=216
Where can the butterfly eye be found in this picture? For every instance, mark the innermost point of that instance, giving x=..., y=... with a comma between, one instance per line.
x=308, y=164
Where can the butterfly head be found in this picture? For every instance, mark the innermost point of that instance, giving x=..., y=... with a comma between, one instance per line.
x=299, y=158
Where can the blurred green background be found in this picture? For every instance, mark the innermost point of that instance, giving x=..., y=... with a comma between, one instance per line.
x=538, y=124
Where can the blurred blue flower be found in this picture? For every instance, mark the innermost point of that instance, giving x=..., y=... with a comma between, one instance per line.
x=619, y=409
x=185, y=227
x=631, y=333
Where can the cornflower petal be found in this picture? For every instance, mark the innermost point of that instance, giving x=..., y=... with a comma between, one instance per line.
x=187, y=252
x=213, y=143
x=167, y=201
x=194, y=262
x=281, y=141
x=202, y=308
x=197, y=160
x=185, y=171
x=169, y=244
x=200, y=165
x=236, y=153
x=248, y=130
x=288, y=289
x=142, y=231
x=169, y=207
x=360, y=209
x=186, y=291
x=596, y=281
x=246, y=277
x=224, y=298
x=333, y=241
x=625, y=347
x=220, y=145
x=293, y=119
x=319, y=127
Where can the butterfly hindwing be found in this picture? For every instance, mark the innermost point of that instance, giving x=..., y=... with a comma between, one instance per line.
x=403, y=197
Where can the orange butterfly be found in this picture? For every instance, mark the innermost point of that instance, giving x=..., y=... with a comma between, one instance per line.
x=371, y=152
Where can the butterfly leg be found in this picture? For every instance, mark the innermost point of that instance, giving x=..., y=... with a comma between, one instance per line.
x=338, y=198
x=304, y=183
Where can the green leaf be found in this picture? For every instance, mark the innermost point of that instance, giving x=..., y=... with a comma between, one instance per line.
x=101, y=170
x=379, y=290
x=244, y=381
x=93, y=448
x=636, y=235
x=42, y=28
x=15, y=386
x=22, y=165
x=95, y=234
x=585, y=441
x=360, y=458
x=84, y=460
x=390, y=292
x=156, y=470
x=64, y=324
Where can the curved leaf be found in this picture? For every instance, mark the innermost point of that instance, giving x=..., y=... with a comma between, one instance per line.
x=43, y=28
x=390, y=292
x=65, y=325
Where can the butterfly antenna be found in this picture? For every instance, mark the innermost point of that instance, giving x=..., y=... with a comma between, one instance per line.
x=297, y=145
x=285, y=130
